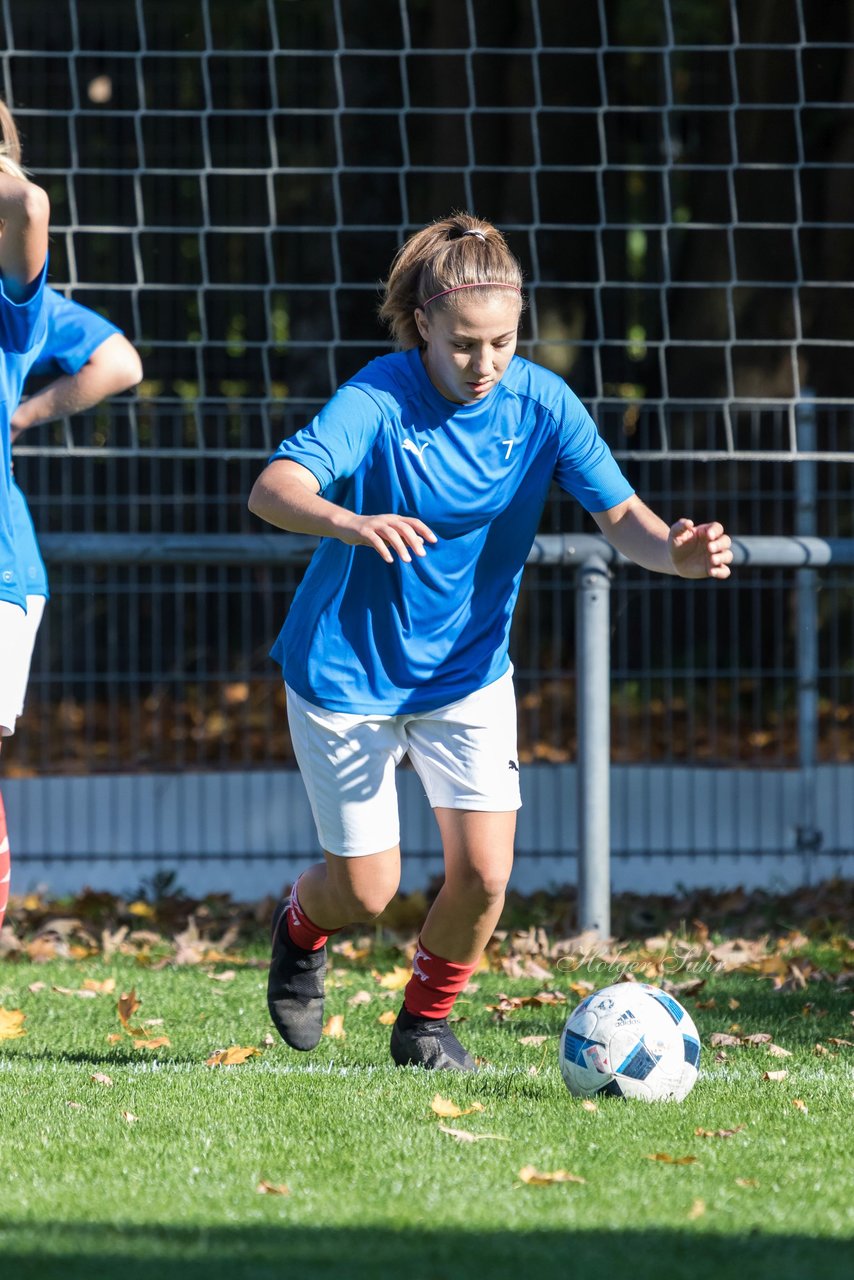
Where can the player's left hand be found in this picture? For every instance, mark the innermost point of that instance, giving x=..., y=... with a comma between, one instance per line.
x=700, y=550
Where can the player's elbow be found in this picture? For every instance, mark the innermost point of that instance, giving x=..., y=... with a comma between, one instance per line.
x=128, y=365
x=35, y=207
x=256, y=502
x=132, y=368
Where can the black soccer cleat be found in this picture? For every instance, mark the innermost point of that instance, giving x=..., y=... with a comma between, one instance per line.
x=295, y=987
x=428, y=1043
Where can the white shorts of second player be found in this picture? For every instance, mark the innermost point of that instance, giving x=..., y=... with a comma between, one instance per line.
x=17, y=640
x=464, y=753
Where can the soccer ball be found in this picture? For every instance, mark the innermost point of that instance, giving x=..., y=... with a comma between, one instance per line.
x=630, y=1040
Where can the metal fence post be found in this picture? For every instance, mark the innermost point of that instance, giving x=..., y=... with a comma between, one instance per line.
x=592, y=627
x=808, y=834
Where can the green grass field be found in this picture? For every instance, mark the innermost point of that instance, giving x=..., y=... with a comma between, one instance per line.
x=157, y=1173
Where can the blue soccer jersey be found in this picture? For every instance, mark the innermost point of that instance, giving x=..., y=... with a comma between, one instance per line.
x=73, y=334
x=364, y=636
x=22, y=331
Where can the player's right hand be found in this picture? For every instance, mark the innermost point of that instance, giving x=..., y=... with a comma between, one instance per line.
x=388, y=534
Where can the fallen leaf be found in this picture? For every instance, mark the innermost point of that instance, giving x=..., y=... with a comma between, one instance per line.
x=801, y=1105
x=40, y=950
x=114, y=1037
x=269, y=1040
x=396, y=980
x=100, y=1078
x=746, y=1182
x=589, y=1105
x=534, y=1178
x=581, y=988
x=667, y=1159
x=462, y=1135
x=225, y=976
x=689, y=988
x=130, y=1117
x=75, y=991
x=759, y=1037
x=127, y=1006
x=776, y=1076
x=361, y=997
x=733, y=1004
x=265, y=1188
x=719, y=1133
x=776, y=1051
x=334, y=1027
x=698, y=1208
x=350, y=951
x=718, y=1038
x=12, y=1024
x=141, y=910
x=388, y=1018
x=449, y=1110
x=104, y=988
x=76, y=1106
x=535, y=1041
x=847, y=1044
x=159, y=1042
x=233, y=1056
x=36, y=987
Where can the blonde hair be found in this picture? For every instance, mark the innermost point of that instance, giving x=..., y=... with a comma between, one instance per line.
x=10, y=145
x=458, y=252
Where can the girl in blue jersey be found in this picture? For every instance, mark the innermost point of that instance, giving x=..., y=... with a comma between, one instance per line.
x=425, y=477
x=24, y=218
x=92, y=360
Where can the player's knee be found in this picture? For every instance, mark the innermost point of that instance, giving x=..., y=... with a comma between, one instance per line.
x=364, y=903
x=486, y=886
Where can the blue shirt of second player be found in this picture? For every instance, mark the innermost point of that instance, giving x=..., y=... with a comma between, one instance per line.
x=74, y=332
x=364, y=636
x=22, y=330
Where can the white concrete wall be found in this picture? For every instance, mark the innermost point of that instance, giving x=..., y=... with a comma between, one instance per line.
x=248, y=833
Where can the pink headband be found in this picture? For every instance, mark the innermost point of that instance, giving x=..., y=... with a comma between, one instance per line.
x=480, y=284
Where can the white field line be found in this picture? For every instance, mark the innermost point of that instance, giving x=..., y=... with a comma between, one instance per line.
x=723, y=1074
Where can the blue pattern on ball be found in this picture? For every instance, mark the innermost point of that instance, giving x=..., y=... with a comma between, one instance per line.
x=667, y=1002
x=639, y=1063
x=692, y=1050
x=574, y=1046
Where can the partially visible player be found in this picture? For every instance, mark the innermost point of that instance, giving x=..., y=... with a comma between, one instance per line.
x=24, y=222
x=91, y=359
x=94, y=360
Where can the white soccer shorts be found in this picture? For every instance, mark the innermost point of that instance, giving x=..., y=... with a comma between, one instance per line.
x=17, y=640
x=464, y=753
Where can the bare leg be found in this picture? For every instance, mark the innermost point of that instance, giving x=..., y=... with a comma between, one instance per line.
x=478, y=860
x=478, y=857
x=342, y=891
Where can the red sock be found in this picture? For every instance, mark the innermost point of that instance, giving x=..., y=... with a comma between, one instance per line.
x=5, y=866
x=302, y=930
x=435, y=984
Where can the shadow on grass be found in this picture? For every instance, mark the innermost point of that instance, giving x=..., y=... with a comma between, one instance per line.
x=101, y=1061
x=111, y=1252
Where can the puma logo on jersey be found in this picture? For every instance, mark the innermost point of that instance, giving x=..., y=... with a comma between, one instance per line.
x=413, y=448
